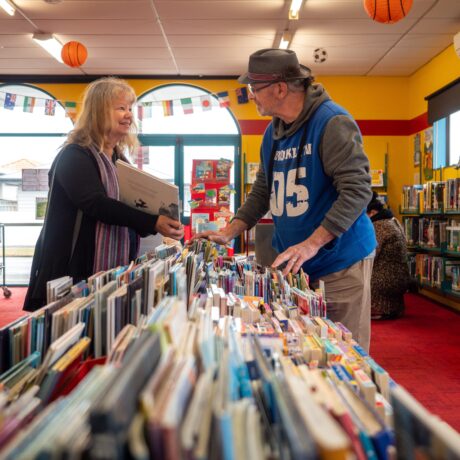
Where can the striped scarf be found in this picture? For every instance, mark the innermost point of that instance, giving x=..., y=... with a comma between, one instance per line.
x=112, y=241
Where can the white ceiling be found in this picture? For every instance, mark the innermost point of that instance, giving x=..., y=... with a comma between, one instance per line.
x=215, y=37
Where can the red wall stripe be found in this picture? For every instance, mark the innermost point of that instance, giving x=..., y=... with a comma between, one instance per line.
x=367, y=127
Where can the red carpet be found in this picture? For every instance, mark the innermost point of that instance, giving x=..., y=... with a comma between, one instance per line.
x=421, y=351
x=11, y=308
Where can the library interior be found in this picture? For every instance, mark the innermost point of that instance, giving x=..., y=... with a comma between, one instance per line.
x=230, y=229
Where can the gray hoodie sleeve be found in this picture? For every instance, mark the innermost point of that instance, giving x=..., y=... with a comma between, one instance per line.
x=257, y=202
x=344, y=160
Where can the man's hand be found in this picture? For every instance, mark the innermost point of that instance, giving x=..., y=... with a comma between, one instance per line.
x=224, y=236
x=296, y=255
x=218, y=237
x=169, y=227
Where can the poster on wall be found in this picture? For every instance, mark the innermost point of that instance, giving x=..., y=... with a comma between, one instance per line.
x=417, y=149
x=428, y=154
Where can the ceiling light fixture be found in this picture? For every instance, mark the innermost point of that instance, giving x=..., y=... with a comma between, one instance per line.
x=8, y=7
x=50, y=44
x=295, y=8
x=285, y=40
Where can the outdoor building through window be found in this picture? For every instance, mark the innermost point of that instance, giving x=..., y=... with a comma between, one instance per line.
x=33, y=126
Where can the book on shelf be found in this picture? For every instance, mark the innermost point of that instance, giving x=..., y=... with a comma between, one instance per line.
x=147, y=192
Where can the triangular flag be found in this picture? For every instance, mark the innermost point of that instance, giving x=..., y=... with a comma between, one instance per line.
x=187, y=105
x=50, y=107
x=224, y=101
x=242, y=95
x=206, y=102
x=29, y=104
x=168, y=109
x=70, y=109
x=10, y=101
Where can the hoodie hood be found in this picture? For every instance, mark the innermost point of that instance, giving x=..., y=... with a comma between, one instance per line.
x=314, y=96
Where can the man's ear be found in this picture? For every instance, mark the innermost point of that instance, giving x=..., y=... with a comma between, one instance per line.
x=282, y=89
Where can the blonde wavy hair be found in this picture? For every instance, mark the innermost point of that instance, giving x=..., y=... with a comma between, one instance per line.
x=95, y=119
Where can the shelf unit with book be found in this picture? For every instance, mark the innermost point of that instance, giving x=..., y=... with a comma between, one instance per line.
x=431, y=221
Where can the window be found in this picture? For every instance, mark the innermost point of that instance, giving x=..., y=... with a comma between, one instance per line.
x=446, y=133
x=170, y=143
x=29, y=140
x=454, y=138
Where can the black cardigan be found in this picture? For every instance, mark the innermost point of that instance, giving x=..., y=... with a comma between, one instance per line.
x=77, y=185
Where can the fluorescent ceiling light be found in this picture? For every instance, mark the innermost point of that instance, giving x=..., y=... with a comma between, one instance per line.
x=294, y=9
x=7, y=6
x=49, y=43
x=285, y=41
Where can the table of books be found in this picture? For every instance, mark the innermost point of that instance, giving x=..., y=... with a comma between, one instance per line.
x=188, y=354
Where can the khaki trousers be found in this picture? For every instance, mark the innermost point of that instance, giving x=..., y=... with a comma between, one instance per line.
x=348, y=297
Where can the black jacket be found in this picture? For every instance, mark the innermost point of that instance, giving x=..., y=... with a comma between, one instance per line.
x=77, y=185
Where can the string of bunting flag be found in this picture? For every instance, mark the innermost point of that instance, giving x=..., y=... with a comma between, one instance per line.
x=29, y=104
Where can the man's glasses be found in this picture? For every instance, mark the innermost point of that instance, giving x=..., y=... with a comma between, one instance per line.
x=253, y=90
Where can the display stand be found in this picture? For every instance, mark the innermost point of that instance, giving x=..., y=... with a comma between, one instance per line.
x=210, y=193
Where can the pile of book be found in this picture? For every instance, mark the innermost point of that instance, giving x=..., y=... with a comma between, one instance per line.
x=433, y=197
x=453, y=235
x=430, y=270
x=432, y=232
x=410, y=200
x=189, y=354
x=452, y=195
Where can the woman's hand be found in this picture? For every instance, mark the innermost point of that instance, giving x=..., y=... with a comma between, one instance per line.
x=169, y=227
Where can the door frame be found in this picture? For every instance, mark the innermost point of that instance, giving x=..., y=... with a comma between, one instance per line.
x=178, y=141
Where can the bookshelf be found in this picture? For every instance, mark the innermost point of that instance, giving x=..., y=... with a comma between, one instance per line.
x=431, y=221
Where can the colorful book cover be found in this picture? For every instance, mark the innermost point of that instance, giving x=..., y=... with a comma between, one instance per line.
x=203, y=169
x=199, y=218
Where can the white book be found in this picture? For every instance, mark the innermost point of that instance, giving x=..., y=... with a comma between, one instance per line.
x=146, y=192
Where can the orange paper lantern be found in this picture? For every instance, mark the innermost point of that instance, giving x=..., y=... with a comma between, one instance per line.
x=74, y=54
x=387, y=11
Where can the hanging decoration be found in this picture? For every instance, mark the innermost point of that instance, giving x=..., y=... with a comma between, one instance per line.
x=74, y=54
x=242, y=95
x=387, y=11
x=189, y=105
x=320, y=55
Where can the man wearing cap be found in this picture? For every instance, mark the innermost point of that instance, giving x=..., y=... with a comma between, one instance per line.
x=314, y=178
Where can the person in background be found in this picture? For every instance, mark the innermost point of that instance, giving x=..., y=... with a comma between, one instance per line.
x=314, y=178
x=390, y=274
x=87, y=229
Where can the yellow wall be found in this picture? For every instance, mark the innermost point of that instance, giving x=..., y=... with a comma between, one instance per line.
x=440, y=71
x=366, y=98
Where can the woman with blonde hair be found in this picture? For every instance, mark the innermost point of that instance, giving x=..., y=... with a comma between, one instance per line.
x=87, y=228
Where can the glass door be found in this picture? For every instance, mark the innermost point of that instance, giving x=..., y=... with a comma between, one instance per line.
x=159, y=160
x=171, y=157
